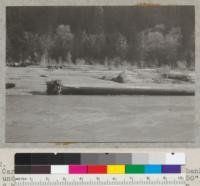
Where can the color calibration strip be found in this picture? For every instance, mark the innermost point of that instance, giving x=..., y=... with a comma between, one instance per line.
x=99, y=163
x=99, y=169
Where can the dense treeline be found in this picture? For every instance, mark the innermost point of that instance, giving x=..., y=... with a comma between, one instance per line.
x=143, y=36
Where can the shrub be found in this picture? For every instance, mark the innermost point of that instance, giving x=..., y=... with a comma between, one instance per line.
x=80, y=61
x=10, y=85
x=181, y=65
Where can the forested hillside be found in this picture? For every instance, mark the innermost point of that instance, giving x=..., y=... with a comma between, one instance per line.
x=142, y=36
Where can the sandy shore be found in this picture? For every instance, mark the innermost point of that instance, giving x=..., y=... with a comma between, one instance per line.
x=32, y=80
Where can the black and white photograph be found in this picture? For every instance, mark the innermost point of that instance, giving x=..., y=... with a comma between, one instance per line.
x=99, y=74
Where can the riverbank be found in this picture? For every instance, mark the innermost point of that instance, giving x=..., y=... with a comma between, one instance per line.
x=32, y=80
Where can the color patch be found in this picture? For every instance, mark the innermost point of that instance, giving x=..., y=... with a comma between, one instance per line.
x=116, y=169
x=171, y=169
x=23, y=169
x=157, y=159
x=97, y=169
x=59, y=169
x=175, y=159
x=22, y=159
x=77, y=169
x=153, y=169
x=40, y=169
x=140, y=159
x=134, y=169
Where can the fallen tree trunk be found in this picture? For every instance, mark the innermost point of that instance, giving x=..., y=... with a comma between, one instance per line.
x=178, y=76
x=68, y=90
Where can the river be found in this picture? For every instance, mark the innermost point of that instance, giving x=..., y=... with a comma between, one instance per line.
x=42, y=118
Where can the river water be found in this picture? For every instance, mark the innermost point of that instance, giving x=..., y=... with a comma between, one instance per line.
x=42, y=118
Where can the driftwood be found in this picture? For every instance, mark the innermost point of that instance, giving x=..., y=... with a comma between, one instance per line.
x=55, y=87
x=121, y=78
x=124, y=91
x=177, y=76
